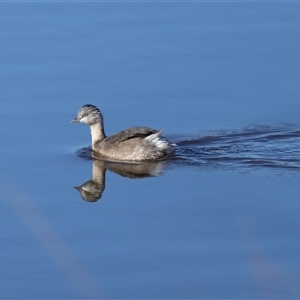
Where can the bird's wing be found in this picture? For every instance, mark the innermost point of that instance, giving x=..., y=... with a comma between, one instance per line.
x=130, y=133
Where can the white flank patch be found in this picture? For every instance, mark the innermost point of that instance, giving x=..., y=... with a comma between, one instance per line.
x=157, y=141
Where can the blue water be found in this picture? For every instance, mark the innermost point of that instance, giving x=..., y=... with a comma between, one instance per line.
x=219, y=219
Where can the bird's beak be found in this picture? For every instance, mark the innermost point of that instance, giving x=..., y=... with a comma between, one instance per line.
x=76, y=120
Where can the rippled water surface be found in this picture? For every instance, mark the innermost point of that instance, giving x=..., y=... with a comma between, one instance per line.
x=219, y=219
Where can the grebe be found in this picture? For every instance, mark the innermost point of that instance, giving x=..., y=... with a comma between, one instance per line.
x=132, y=144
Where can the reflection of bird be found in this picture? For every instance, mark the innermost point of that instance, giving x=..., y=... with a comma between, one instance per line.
x=93, y=189
x=138, y=170
x=133, y=144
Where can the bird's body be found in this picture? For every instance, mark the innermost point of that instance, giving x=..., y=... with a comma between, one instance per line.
x=133, y=144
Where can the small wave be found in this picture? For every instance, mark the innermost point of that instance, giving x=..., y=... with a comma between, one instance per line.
x=252, y=147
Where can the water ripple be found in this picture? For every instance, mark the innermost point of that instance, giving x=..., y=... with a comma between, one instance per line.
x=250, y=147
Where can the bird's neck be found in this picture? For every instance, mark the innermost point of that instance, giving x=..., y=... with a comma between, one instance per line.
x=97, y=132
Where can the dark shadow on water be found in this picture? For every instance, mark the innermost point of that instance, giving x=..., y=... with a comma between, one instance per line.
x=250, y=148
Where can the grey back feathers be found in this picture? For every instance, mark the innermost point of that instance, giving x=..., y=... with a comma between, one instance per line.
x=130, y=133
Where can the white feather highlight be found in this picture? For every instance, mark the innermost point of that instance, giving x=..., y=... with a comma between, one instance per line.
x=156, y=141
x=84, y=120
